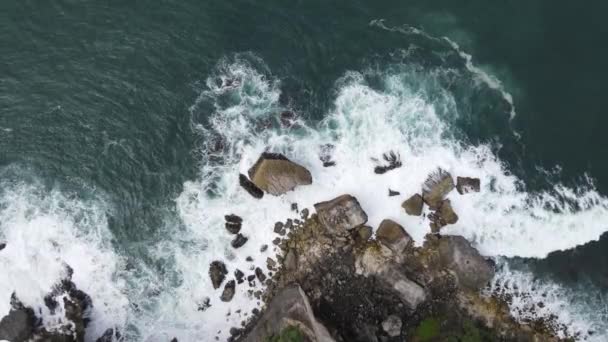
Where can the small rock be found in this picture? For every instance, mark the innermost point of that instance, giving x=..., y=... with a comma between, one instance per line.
x=263, y=248
x=18, y=324
x=294, y=207
x=291, y=261
x=250, y=187
x=174, y=339
x=437, y=185
x=443, y=216
x=204, y=305
x=276, y=174
x=394, y=161
x=304, y=214
x=108, y=336
x=465, y=185
x=413, y=205
x=341, y=214
x=2, y=245
x=233, y=227
x=392, y=193
x=228, y=292
x=392, y=326
x=276, y=241
x=393, y=236
x=250, y=259
x=239, y=275
x=233, y=218
x=239, y=241
x=217, y=273
x=325, y=155
x=270, y=263
x=260, y=274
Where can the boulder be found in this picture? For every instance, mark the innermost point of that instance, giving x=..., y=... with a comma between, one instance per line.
x=233, y=223
x=443, y=216
x=465, y=185
x=217, y=273
x=413, y=205
x=288, y=308
x=437, y=185
x=393, y=236
x=276, y=175
x=228, y=292
x=251, y=188
x=363, y=234
x=341, y=214
x=471, y=269
x=238, y=241
x=392, y=326
x=19, y=324
x=2, y=245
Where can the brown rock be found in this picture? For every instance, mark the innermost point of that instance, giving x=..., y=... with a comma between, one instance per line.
x=276, y=174
x=465, y=185
x=393, y=236
x=437, y=185
x=413, y=205
x=251, y=188
x=341, y=214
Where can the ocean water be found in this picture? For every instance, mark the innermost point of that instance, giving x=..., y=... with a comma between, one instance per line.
x=124, y=126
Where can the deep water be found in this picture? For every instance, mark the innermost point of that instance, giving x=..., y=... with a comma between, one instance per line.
x=111, y=113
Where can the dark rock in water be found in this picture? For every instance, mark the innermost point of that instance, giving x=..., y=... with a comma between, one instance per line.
x=392, y=326
x=19, y=324
x=471, y=269
x=325, y=155
x=304, y=214
x=288, y=118
x=250, y=259
x=204, y=305
x=394, y=161
x=443, y=216
x=239, y=275
x=413, y=205
x=279, y=228
x=2, y=245
x=341, y=214
x=217, y=273
x=228, y=292
x=264, y=248
x=233, y=227
x=294, y=207
x=174, y=339
x=393, y=236
x=260, y=274
x=465, y=185
x=392, y=193
x=363, y=234
x=108, y=336
x=251, y=188
x=275, y=174
x=239, y=241
x=437, y=185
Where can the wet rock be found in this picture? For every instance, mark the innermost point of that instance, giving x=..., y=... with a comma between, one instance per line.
x=304, y=214
x=19, y=324
x=291, y=261
x=279, y=228
x=249, y=259
x=263, y=248
x=394, y=161
x=392, y=193
x=260, y=274
x=2, y=245
x=275, y=174
x=325, y=155
x=239, y=275
x=228, y=292
x=233, y=228
x=217, y=273
x=465, y=185
x=341, y=214
x=204, y=304
x=471, y=269
x=437, y=185
x=294, y=207
x=443, y=216
x=363, y=234
x=413, y=205
x=392, y=326
x=393, y=236
x=108, y=336
x=174, y=340
x=276, y=241
x=233, y=218
x=239, y=241
x=250, y=187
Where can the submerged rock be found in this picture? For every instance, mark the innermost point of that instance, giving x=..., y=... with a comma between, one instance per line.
x=393, y=236
x=228, y=292
x=437, y=185
x=392, y=326
x=471, y=269
x=465, y=185
x=413, y=205
x=276, y=175
x=251, y=188
x=217, y=273
x=341, y=214
x=238, y=241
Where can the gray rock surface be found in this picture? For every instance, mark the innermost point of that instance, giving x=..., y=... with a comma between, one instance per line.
x=341, y=214
x=276, y=175
x=465, y=185
x=471, y=269
x=437, y=185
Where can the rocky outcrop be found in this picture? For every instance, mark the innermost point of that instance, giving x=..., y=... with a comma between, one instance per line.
x=19, y=324
x=465, y=185
x=276, y=175
x=341, y=214
x=251, y=188
x=437, y=185
x=393, y=236
x=413, y=205
x=217, y=273
x=289, y=308
x=471, y=269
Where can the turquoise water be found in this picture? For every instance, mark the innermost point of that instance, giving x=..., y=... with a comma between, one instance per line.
x=108, y=111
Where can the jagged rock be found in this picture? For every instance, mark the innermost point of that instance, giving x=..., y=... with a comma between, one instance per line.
x=413, y=205
x=217, y=273
x=228, y=292
x=239, y=275
x=466, y=184
x=291, y=261
x=260, y=274
x=341, y=214
x=392, y=326
x=437, y=185
x=393, y=236
x=289, y=307
x=2, y=245
x=471, y=269
x=275, y=174
x=238, y=241
x=19, y=324
x=251, y=188
x=394, y=161
x=392, y=193
x=363, y=234
x=443, y=216
x=233, y=223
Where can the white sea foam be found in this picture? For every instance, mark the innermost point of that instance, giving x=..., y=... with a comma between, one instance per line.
x=364, y=122
x=44, y=231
